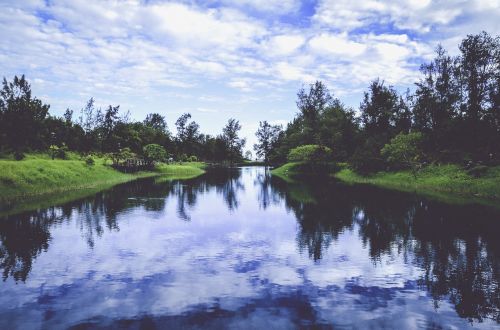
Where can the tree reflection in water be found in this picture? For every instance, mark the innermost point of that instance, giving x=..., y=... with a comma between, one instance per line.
x=24, y=236
x=457, y=247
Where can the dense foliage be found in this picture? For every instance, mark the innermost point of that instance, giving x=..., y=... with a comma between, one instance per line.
x=26, y=125
x=268, y=136
x=453, y=116
x=404, y=151
x=309, y=153
x=154, y=153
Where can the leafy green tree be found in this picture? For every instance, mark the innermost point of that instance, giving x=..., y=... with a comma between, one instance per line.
x=121, y=155
x=106, y=130
x=311, y=104
x=58, y=152
x=21, y=116
x=479, y=72
x=188, y=135
x=405, y=151
x=338, y=129
x=234, y=144
x=90, y=119
x=379, y=111
x=156, y=122
x=154, y=153
x=268, y=136
x=310, y=153
x=437, y=103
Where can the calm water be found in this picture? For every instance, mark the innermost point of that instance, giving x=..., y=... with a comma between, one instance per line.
x=238, y=248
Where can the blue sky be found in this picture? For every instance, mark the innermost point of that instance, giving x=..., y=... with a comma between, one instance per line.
x=219, y=59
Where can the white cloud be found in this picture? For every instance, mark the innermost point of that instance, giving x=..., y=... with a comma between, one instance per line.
x=221, y=28
x=288, y=71
x=240, y=84
x=417, y=15
x=281, y=45
x=337, y=45
x=273, y=6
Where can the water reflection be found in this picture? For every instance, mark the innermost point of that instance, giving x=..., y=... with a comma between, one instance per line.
x=457, y=247
x=240, y=247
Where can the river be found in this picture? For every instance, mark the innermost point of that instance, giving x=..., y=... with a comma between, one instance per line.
x=239, y=248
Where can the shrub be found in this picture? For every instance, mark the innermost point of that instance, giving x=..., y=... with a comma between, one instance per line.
x=365, y=162
x=310, y=153
x=18, y=155
x=120, y=156
x=404, y=151
x=58, y=152
x=154, y=153
x=478, y=171
x=89, y=161
x=192, y=158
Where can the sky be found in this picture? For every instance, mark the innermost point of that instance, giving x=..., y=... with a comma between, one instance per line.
x=221, y=59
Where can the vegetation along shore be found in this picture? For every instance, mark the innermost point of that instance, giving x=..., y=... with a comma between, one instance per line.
x=450, y=183
x=38, y=175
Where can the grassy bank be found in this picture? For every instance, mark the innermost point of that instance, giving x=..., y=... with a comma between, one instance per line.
x=288, y=171
x=39, y=182
x=38, y=176
x=444, y=182
x=181, y=170
x=33, y=177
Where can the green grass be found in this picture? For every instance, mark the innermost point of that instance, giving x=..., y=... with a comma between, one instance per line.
x=288, y=171
x=448, y=183
x=40, y=179
x=185, y=170
x=38, y=176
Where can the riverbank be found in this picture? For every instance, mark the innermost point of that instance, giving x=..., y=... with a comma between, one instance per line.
x=35, y=177
x=181, y=170
x=449, y=183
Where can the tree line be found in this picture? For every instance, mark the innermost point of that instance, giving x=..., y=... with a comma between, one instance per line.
x=27, y=126
x=452, y=116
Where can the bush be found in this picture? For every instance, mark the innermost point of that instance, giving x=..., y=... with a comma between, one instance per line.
x=89, y=161
x=18, y=155
x=154, y=153
x=58, y=152
x=364, y=162
x=192, y=158
x=366, y=159
x=120, y=156
x=404, y=151
x=310, y=153
x=478, y=171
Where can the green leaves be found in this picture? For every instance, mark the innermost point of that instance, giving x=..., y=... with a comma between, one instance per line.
x=404, y=151
x=154, y=153
x=309, y=153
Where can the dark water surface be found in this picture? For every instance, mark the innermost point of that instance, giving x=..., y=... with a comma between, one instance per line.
x=239, y=248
